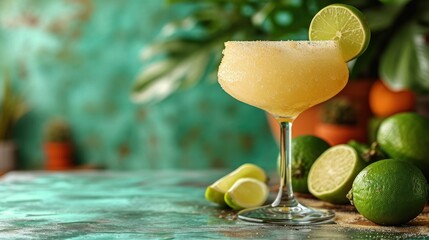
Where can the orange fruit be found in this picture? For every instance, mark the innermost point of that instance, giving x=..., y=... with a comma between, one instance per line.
x=385, y=102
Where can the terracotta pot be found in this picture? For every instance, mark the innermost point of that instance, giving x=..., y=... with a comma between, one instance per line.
x=356, y=91
x=58, y=155
x=339, y=134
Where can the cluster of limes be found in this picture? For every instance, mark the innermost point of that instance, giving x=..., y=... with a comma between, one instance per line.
x=392, y=189
x=388, y=188
x=387, y=185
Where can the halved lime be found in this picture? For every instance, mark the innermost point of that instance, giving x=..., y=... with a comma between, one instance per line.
x=215, y=192
x=343, y=23
x=246, y=193
x=332, y=174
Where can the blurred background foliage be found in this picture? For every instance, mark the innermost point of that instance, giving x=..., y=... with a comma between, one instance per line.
x=190, y=48
x=77, y=60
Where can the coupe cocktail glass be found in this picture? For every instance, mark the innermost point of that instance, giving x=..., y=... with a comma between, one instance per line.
x=284, y=78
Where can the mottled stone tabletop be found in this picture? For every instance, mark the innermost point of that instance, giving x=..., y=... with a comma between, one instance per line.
x=155, y=205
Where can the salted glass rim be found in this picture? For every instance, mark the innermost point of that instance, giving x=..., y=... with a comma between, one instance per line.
x=285, y=43
x=282, y=41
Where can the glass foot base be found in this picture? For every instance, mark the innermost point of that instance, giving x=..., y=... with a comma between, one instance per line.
x=296, y=215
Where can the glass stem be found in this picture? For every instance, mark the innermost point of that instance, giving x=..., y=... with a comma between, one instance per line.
x=285, y=196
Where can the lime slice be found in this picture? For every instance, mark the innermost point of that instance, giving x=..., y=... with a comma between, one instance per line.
x=343, y=23
x=331, y=175
x=215, y=192
x=246, y=193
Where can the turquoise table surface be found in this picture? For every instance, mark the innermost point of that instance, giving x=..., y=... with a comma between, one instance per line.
x=149, y=205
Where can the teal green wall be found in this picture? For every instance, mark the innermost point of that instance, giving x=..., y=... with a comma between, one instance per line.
x=79, y=59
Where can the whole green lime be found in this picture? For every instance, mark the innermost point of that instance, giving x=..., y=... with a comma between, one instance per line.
x=405, y=136
x=305, y=150
x=389, y=192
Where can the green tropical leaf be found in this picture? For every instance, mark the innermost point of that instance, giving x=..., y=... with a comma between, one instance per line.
x=422, y=54
x=383, y=17
x=152, y=72
x=199, y=64
x=395, y=2
x=162, y=48
x=157, y=81
x=160, y=79
x=259, y=18
x=405, y=63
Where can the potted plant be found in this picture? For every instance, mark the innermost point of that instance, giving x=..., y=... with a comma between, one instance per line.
x=339, y=122
x=58, y=146
x=12, y=108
